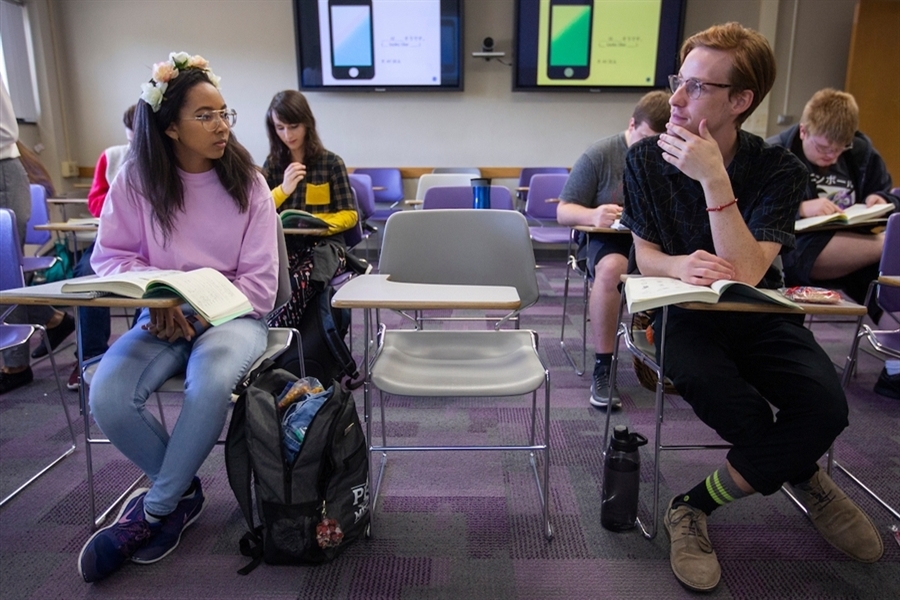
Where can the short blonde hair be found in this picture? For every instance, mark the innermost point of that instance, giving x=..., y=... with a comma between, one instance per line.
x=752, y=60
x=833, y=114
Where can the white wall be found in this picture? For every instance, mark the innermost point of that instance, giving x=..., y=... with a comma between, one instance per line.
x=106, y=50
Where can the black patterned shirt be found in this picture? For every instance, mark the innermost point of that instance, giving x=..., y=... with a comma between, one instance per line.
x=664, y=206
x=329, y=171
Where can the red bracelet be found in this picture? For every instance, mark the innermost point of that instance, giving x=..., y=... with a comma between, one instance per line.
x=721, y=208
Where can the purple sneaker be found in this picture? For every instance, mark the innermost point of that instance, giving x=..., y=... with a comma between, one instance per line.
x=167, y=533
x=108, y=549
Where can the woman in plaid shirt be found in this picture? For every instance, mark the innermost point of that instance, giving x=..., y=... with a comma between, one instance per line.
x=303, y=175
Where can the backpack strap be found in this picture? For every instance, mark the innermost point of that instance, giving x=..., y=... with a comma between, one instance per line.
x=252, y=546
x=333, y=339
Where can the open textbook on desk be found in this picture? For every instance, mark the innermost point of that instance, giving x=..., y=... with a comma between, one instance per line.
x=644, y=293
x=210, y=293
x=852, y=215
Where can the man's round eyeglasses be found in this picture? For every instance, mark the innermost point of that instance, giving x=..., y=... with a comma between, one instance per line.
x=826, y=150
x=693, y=87
x=210, y=120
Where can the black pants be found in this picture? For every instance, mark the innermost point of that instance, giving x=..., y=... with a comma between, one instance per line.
x=731, y=366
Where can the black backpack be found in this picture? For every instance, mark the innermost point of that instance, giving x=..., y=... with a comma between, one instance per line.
x=322, y=331
x=325, y=486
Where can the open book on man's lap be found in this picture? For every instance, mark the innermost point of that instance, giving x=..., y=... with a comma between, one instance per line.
x=644, y=293
x=209, y=292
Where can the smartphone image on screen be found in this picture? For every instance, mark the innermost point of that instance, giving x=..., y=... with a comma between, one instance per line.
x=352, y=47
x=569, y=50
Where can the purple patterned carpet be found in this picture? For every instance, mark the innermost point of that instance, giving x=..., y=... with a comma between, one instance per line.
x=463, y=525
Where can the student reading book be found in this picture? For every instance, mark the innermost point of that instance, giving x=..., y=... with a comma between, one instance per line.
x=644, y=293
x=852, y=215
x=209, y=292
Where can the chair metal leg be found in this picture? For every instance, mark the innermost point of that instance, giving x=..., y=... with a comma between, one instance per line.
x=62, y=399
x=562, y=330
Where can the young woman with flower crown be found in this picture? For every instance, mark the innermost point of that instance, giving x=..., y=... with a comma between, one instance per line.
x=188, y=196
x=304, y=175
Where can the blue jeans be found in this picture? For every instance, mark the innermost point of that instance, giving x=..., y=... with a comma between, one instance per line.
x=137, y=364
x=95, y=328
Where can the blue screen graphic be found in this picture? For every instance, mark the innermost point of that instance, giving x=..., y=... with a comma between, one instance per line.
x=351, y=32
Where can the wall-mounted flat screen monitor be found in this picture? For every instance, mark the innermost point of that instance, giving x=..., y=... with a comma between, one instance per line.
x=596, y=45
x=379, y=45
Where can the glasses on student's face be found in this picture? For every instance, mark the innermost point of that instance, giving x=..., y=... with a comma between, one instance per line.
x=210, y=120
x=826, y=150
x=693, y=87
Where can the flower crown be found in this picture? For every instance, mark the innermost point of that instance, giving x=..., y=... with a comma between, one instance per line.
x=164, y=72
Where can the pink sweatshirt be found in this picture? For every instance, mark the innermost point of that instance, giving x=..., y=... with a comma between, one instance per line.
x=211, y=232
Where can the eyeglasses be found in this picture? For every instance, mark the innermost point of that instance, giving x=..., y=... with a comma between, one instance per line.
x=693, y=87
x=210, y=120
x=825, y=150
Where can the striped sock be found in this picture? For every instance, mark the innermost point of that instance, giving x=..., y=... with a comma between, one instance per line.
x=716, y=490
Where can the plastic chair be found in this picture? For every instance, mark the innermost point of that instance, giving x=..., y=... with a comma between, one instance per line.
x=387, y=187
x=544, y=187
x=525, y=178
x=365, y=204
x=12, y=335
x=280, y=339
x=465, y=170
x=430, y=180
x=461, y=197
x=885, y=343
x=463, y=247
x=39, y=216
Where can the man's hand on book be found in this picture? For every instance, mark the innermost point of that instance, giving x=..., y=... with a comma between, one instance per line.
x=702, y=268
x=873, y=199
x=817, y=207
x=169, y=324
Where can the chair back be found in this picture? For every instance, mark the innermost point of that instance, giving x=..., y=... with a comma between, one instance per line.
x=10, y=252
x=354, y=235
x=527, y=172
x=458, y=196
x=39, y=216
x=889, y=296
x=542, y=187
x=461, y=246
x=389, y=181
x=466, y=170
x=365, y=196
x=283, y=294
x=430, y=180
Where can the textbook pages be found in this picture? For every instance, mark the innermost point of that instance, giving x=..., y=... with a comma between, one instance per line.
x=293, y=218
x=210, y=293
x=644, y=293
x=853, y=215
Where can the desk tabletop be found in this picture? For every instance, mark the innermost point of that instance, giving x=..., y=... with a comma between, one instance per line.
x=875, y=224
x=52, y=294
x=891, y=280
x=588, y=229
x=844, y=308
x=71, y=225
x=377, y=291
x=67, y=201
x=320, y=231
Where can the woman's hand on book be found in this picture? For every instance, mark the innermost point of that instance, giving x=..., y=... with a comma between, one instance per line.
x=169, y=324
x=293, y=175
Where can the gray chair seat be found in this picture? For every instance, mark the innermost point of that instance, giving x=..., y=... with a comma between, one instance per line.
x=458, y=363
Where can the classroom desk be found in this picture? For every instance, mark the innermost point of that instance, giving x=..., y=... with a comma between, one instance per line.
x=71, y=230
x=872, y=224
x=64, y=202
x=319, y=231
x=589, y=229
x=52, y=294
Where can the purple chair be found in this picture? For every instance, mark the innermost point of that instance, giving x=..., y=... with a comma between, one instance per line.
x=527, y=173
x=12, y=335
x=387, y=186
x=543, y=187
x=461, y=197
x=885, y=342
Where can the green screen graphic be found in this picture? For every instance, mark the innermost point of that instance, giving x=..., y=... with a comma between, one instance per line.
x=571, y=28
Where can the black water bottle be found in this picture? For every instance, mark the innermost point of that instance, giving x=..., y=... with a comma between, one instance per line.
x=621, y=480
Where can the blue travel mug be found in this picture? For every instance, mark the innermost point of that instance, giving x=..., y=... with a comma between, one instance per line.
x=481, y=192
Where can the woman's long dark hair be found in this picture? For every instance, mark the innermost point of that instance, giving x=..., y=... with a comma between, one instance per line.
x=153, y=170
x=291, y=108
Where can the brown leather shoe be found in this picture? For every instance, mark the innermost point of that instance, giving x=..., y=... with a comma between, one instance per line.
x=691, y=554
x=840, y=521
